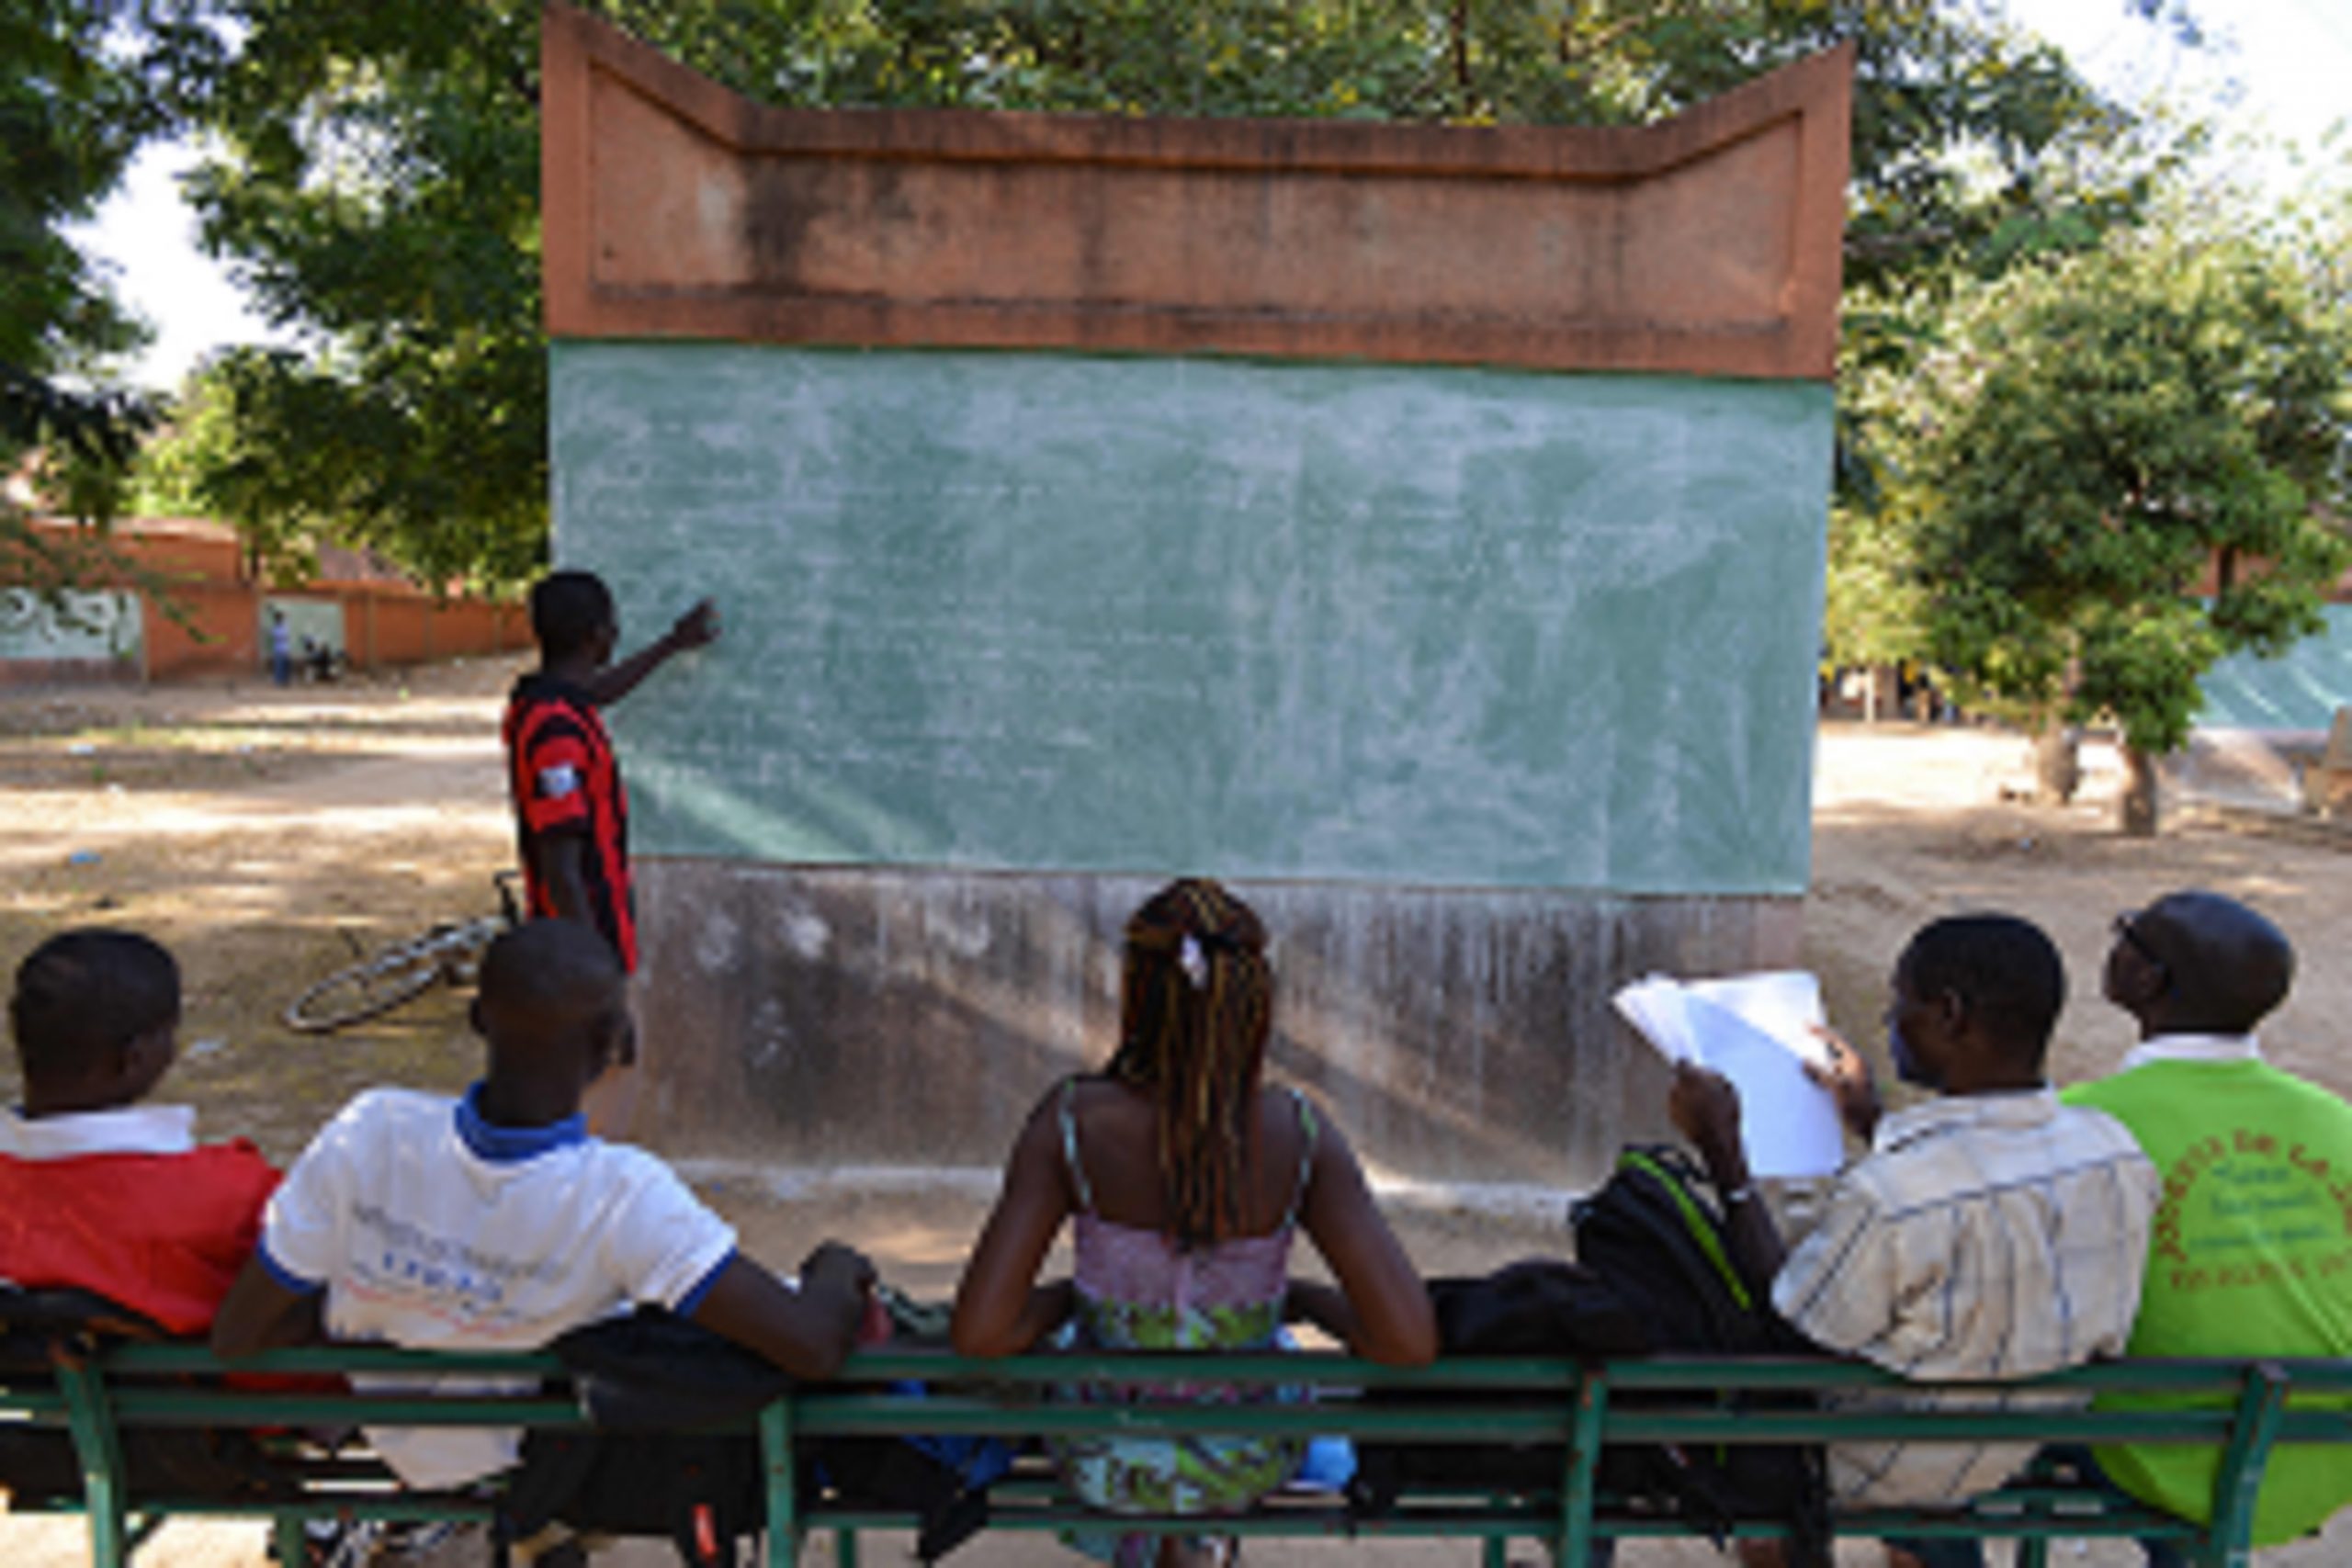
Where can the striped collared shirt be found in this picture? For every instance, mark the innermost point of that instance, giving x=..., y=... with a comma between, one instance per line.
x=1989, y=1236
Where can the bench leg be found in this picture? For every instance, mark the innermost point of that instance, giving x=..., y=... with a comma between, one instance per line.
x=1497, y=1553
x=1576, y=1487
x=783, y=1503
x=2238, y=1479
x=845, y=1548
x=290, y=1541
x=100, y=1453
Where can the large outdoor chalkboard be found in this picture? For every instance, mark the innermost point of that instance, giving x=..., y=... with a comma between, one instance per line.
x=1434, y=627
x=2300, y=689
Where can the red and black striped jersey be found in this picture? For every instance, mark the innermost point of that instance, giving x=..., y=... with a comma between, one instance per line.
x=562, y=779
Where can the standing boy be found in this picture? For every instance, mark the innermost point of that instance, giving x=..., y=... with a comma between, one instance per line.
x=498, y=1221
x=99, y=1192
x=570, y=812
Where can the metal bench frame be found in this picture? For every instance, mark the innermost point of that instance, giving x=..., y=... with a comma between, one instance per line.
x=2249, y=1406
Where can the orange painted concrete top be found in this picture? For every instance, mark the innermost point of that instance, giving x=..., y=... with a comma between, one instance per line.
x=1705, y=244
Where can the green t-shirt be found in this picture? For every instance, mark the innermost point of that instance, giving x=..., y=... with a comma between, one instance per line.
x=2252, y=1255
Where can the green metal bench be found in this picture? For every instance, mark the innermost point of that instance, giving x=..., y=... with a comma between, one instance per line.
x=2256, y=1404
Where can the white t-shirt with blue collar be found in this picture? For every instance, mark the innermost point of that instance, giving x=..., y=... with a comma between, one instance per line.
x=430, y=1228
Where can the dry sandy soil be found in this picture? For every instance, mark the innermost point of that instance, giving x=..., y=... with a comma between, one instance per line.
x=265, y=835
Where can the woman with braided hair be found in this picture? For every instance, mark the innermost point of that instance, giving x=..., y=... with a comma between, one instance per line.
x=1186, y=1177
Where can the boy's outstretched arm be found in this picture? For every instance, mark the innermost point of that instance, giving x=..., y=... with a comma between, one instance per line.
x=807, y=1331
x=695, y=628
x=259, y=1314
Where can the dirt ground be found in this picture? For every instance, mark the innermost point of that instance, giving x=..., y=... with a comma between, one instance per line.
x=266, y=834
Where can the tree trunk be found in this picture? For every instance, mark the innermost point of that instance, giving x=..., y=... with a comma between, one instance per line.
x=2057, y=764
x=2136, y=810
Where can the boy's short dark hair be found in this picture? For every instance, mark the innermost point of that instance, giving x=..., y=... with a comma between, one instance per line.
x=568, y=609
x=86, y=992
x=546, y=959
x=2007, y=970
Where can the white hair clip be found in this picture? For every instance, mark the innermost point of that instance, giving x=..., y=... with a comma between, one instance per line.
x=1194, y=962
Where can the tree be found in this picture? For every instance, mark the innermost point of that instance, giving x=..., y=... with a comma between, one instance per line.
x=72, y=110
x=377, y=172
x=2128, y=469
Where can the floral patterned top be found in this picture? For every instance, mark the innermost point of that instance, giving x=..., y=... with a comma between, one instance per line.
x=1138, y=1289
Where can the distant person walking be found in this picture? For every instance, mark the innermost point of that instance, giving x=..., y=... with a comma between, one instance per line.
x=570, y=812
x=282, y=649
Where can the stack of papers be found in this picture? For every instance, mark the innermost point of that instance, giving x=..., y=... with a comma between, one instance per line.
x=1756, y=1031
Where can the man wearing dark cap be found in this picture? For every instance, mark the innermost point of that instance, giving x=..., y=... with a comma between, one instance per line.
x=2251, y=1250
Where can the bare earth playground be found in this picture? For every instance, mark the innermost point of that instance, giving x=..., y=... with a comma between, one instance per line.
x=251, y=830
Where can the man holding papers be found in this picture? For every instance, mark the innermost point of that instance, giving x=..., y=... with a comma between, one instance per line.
x=1988, y=1232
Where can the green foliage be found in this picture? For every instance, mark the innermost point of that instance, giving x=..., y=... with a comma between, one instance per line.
x=377, y=174
x=70, y=119
x=1872, y=611
x=77, y=95
x=2099, y=430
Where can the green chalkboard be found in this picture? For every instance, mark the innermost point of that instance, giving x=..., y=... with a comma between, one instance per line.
x=1432, y=626
x=2300, y=689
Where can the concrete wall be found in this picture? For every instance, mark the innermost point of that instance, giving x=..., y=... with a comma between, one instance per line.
x=375, y=629
x=197, y=611
x=856, y=1016
x=88, y=636
x=1420, y=528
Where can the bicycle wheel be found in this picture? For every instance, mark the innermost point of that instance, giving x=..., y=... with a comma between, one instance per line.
x=377, y=985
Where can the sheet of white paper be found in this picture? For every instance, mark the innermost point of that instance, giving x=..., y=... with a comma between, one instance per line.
x=1655, y=1006
x=1788, y=1122
x=1757, y=1031
x=1783, y=1003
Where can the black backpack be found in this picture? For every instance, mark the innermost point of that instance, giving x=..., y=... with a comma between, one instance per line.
x=671, y=1453
x=1655, y=1232
x=1651, y=1276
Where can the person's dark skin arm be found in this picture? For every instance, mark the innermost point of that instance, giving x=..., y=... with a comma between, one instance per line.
x=697, y=629
x=807, y=1331
x=1706, y=1108
x=564, y=872
x=259, y=1314
x=1000, y=1309
x=1381, y=1310
x=1313, y=1302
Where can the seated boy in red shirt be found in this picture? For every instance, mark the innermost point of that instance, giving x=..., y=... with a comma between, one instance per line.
x=98, y=1190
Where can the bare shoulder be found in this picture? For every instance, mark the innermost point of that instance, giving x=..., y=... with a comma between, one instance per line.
x=1294, y=1109
x=1293, y=1128
x=1118, y=1109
